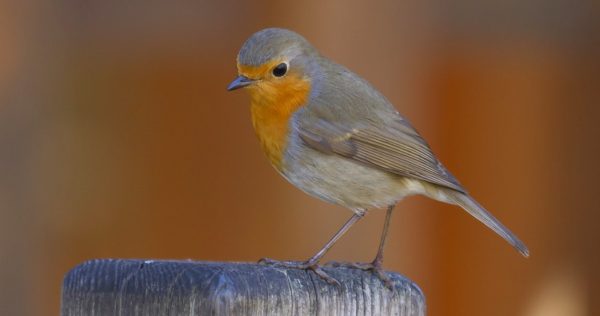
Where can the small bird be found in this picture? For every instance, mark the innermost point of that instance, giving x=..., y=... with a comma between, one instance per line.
x=332, y=135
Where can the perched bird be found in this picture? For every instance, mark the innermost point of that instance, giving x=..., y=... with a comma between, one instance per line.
x=332, y=135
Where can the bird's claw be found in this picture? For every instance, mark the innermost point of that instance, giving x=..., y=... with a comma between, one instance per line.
x=301, y=265
x=375, y=267
x=323, y=275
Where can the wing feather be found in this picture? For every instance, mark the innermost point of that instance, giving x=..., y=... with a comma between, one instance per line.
x=398, y=150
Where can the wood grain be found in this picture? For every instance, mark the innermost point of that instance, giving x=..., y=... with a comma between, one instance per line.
x=147, y=287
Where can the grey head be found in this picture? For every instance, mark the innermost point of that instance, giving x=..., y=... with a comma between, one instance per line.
x=274, y=43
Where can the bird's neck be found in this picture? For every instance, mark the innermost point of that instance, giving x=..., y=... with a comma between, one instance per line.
x=272, y=109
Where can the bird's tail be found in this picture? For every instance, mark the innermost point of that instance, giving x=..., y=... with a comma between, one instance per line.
x=480, y=213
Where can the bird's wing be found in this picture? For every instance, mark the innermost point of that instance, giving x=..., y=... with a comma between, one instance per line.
x=397, y=149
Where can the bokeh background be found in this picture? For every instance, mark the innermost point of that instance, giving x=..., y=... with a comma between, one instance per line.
x=118, y=140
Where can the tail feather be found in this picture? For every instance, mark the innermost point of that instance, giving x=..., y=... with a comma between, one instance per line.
x=480, y=213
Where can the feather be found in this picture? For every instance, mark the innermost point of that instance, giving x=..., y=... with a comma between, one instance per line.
x=480, y=213
x=397, y=151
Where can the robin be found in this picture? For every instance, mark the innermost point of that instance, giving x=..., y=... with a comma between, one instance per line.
x=332, y=135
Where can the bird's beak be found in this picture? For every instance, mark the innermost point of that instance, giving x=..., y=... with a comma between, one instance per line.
x=239, y=82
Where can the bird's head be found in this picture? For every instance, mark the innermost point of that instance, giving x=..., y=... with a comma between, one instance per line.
x=274, y=63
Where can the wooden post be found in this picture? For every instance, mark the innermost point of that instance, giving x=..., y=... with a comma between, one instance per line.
x=148, y=287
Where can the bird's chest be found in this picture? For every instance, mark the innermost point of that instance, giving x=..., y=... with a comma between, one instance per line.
x=271, y=127
x=272, y=110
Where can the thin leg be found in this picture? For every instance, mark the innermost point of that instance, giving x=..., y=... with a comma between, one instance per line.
x=386, y=226
x=335, y=237
x=376, y=264
x=312, y=263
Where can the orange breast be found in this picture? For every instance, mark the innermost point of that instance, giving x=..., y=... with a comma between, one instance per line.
x=272, y=105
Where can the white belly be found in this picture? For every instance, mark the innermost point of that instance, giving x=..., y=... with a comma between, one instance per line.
x=342, y=181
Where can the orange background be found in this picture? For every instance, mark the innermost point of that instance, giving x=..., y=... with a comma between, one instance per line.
x=118, y=139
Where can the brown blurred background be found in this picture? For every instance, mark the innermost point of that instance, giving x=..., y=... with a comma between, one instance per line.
x=118, y=139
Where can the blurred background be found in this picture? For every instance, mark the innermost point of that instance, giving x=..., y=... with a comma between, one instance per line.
x=118, y=140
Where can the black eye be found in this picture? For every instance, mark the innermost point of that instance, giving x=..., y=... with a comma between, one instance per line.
x=280, y=70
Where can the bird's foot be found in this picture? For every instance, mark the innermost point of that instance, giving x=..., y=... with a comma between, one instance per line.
x=301, y=265
x=375, y=267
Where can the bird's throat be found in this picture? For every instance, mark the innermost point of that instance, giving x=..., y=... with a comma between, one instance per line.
x=272, y=107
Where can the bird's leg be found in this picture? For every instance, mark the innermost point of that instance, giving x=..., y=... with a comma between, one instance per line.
x=377, y=264
x=312, y=263
x=378, y=261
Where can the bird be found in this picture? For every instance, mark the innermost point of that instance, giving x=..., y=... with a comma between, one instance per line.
x=331, y=134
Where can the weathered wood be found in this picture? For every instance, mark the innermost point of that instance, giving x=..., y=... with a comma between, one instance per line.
x=147, y=287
